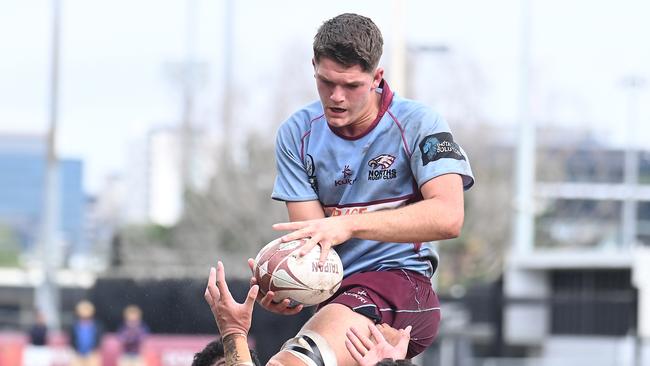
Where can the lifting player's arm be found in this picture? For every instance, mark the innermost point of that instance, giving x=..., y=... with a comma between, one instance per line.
x=438, y=216
x=233, y=319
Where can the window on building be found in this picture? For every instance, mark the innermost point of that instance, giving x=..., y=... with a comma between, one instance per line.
x=593, y=302
x=644, y=167
x=578, y=223
x=643, y=223
x=580, y=166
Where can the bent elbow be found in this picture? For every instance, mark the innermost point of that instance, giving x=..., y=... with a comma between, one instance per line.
x=453, y=227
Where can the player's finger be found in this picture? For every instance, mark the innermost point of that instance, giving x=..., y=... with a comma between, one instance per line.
x=405, y=337
x=309, y=244
x=208, y=298
x=252, y=295
x=353, y=351
x=376, y=333
x=296, y=235
x=286, y=226
x=281, y=307
x=267, y=300
x=251, y=265
x=324, y=251
x=206, y=294
x=356, y=342
x=407, y=331
x=221, y=282
x=307, y=247
x=363, y=338
x=286, y=310
x=212, y=288
x=253, y=282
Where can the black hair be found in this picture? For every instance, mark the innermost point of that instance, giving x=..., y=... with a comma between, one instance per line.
x=213, y=351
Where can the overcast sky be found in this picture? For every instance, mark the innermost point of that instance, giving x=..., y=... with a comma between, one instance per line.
x=116, y=81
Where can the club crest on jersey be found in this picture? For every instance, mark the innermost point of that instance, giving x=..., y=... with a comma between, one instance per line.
x=310, y=168
x=438, y=146
x=347, y=177
x=379, y=167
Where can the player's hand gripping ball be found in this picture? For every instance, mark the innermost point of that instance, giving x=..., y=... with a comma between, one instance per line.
x=279, y=268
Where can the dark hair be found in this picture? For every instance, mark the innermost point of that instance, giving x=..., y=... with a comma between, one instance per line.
x=391, y=362
x=349, y=39
x=213, y=351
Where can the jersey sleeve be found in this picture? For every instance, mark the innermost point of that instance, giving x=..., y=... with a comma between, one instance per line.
x=292, y=183
x=434, y=150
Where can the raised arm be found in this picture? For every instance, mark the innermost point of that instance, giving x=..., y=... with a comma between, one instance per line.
x=233, y=319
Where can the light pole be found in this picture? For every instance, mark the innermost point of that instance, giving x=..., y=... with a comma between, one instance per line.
x=227, y=99
x=523, y=235
x=47, y=292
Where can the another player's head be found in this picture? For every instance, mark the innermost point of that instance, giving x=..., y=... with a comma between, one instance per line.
x=347, y=49
x=213, y=355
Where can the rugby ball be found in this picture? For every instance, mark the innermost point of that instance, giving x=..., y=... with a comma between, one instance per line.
x=279, y=268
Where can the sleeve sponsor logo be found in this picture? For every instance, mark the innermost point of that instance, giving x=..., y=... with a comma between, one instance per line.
x=439, y=146
x=379, y=167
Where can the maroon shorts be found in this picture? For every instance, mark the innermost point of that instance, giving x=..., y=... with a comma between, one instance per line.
x=398, y=298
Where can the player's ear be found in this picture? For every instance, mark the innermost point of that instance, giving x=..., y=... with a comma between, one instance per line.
x=377, y=77
x=313, y=64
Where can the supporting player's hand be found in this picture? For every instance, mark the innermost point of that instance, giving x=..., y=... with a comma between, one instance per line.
x=326, y=232
x=266, y=301
x=231, y=316
x=366, y=352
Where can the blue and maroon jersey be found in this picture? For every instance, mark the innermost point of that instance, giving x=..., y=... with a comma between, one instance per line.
x=383, y=168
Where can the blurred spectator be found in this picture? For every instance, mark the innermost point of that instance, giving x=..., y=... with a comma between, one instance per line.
x=131, y=334
x=85, y=336
x=213, y=355
x=38, y=331
x=37, y=353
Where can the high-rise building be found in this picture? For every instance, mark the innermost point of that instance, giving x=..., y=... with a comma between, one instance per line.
x=153, y=177
x=22, y=171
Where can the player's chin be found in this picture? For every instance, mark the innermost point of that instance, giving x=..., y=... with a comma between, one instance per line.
x=337, y=121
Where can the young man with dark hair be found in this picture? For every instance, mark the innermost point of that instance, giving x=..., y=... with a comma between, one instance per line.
x=375, y=177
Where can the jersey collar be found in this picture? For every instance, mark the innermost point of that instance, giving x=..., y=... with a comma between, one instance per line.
x=386, y=99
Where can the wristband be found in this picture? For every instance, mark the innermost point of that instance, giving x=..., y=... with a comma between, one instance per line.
x=234, y=334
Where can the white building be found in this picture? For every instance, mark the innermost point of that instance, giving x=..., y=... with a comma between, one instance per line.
x=580, y=294
x=154, y=174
